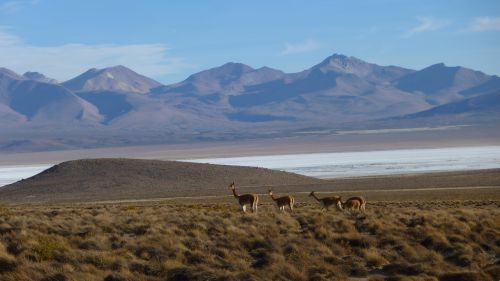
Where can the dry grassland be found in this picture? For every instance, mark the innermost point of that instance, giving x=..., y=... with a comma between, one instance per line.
x=452, y=240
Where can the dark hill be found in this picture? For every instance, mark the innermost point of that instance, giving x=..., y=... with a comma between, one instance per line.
x=114, y=179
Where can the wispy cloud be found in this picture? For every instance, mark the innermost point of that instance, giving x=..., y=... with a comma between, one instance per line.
x=485, y=24
x=301, y=47
x=15, y=5
x=427, y=24
x=65, y=61
x=8, y=39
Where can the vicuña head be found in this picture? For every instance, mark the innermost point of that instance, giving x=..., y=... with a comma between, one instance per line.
x=283, y=201
x=251, y=199
x=327, y=202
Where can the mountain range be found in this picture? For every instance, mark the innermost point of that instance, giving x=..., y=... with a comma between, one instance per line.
x=117, y=106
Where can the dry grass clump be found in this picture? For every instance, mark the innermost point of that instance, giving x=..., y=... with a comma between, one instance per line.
x=158, y=241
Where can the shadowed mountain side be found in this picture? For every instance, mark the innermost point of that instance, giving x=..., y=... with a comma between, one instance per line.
x=110, y=104
x=43, y=102
x=493, y=84
x=111, y=179
x=487, y=105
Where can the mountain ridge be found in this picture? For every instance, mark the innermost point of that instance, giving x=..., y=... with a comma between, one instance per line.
x=231, y=101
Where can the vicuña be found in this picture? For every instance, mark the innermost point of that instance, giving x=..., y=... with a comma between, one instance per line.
x=356, y=203
x=251, y=199
x=283, y=201
x=326, y=202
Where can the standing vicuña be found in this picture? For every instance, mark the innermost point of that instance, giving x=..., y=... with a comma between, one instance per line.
x=251, y=199
x=283, y=201
x=326, y=202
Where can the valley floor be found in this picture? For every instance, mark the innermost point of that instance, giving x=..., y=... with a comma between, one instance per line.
x=300, y=143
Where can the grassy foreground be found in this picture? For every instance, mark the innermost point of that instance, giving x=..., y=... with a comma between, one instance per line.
x=452, y=240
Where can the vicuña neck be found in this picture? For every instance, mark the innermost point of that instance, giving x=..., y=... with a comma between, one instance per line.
x=315, y=197
x=272, y=196
x=234, y=193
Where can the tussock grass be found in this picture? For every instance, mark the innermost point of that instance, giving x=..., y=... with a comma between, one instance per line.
x=455, y=240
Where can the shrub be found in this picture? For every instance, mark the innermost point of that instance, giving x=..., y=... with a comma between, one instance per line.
x=190, y=273
x=464, y=276
x=114, y=277
x=55, y=277
x=405, y=269
x=7, y=265
x=45, y=248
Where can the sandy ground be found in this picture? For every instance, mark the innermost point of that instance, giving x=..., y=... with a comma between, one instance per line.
x=384, y=195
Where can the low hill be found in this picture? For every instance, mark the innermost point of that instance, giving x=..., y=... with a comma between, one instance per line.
x=113, y=179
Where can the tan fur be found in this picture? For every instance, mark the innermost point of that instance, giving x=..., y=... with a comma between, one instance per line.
x=251, y=199
x=354, y=204
x=326, y=202
x=362, y=201
x=283, y=201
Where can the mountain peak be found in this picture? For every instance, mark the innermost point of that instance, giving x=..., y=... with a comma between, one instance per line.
x=37, y=76
x=9, y=73
x=227, y=71
x=117, y=68
x=341, y=63
x=236, y=66
x=116, y=78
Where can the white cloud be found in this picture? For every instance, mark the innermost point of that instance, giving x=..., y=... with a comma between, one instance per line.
x=8, y=39
x=427, y=24
x=485, y=24
x=15, y=5
x=66, y=61
x=301, y=47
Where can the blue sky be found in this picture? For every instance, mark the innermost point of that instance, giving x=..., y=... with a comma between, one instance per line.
x=168, y=40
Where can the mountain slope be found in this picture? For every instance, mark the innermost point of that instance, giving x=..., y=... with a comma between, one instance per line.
x=117, y=78
x=24, y=100
x=228, y=78
x=483, y=105
x=46, y=102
